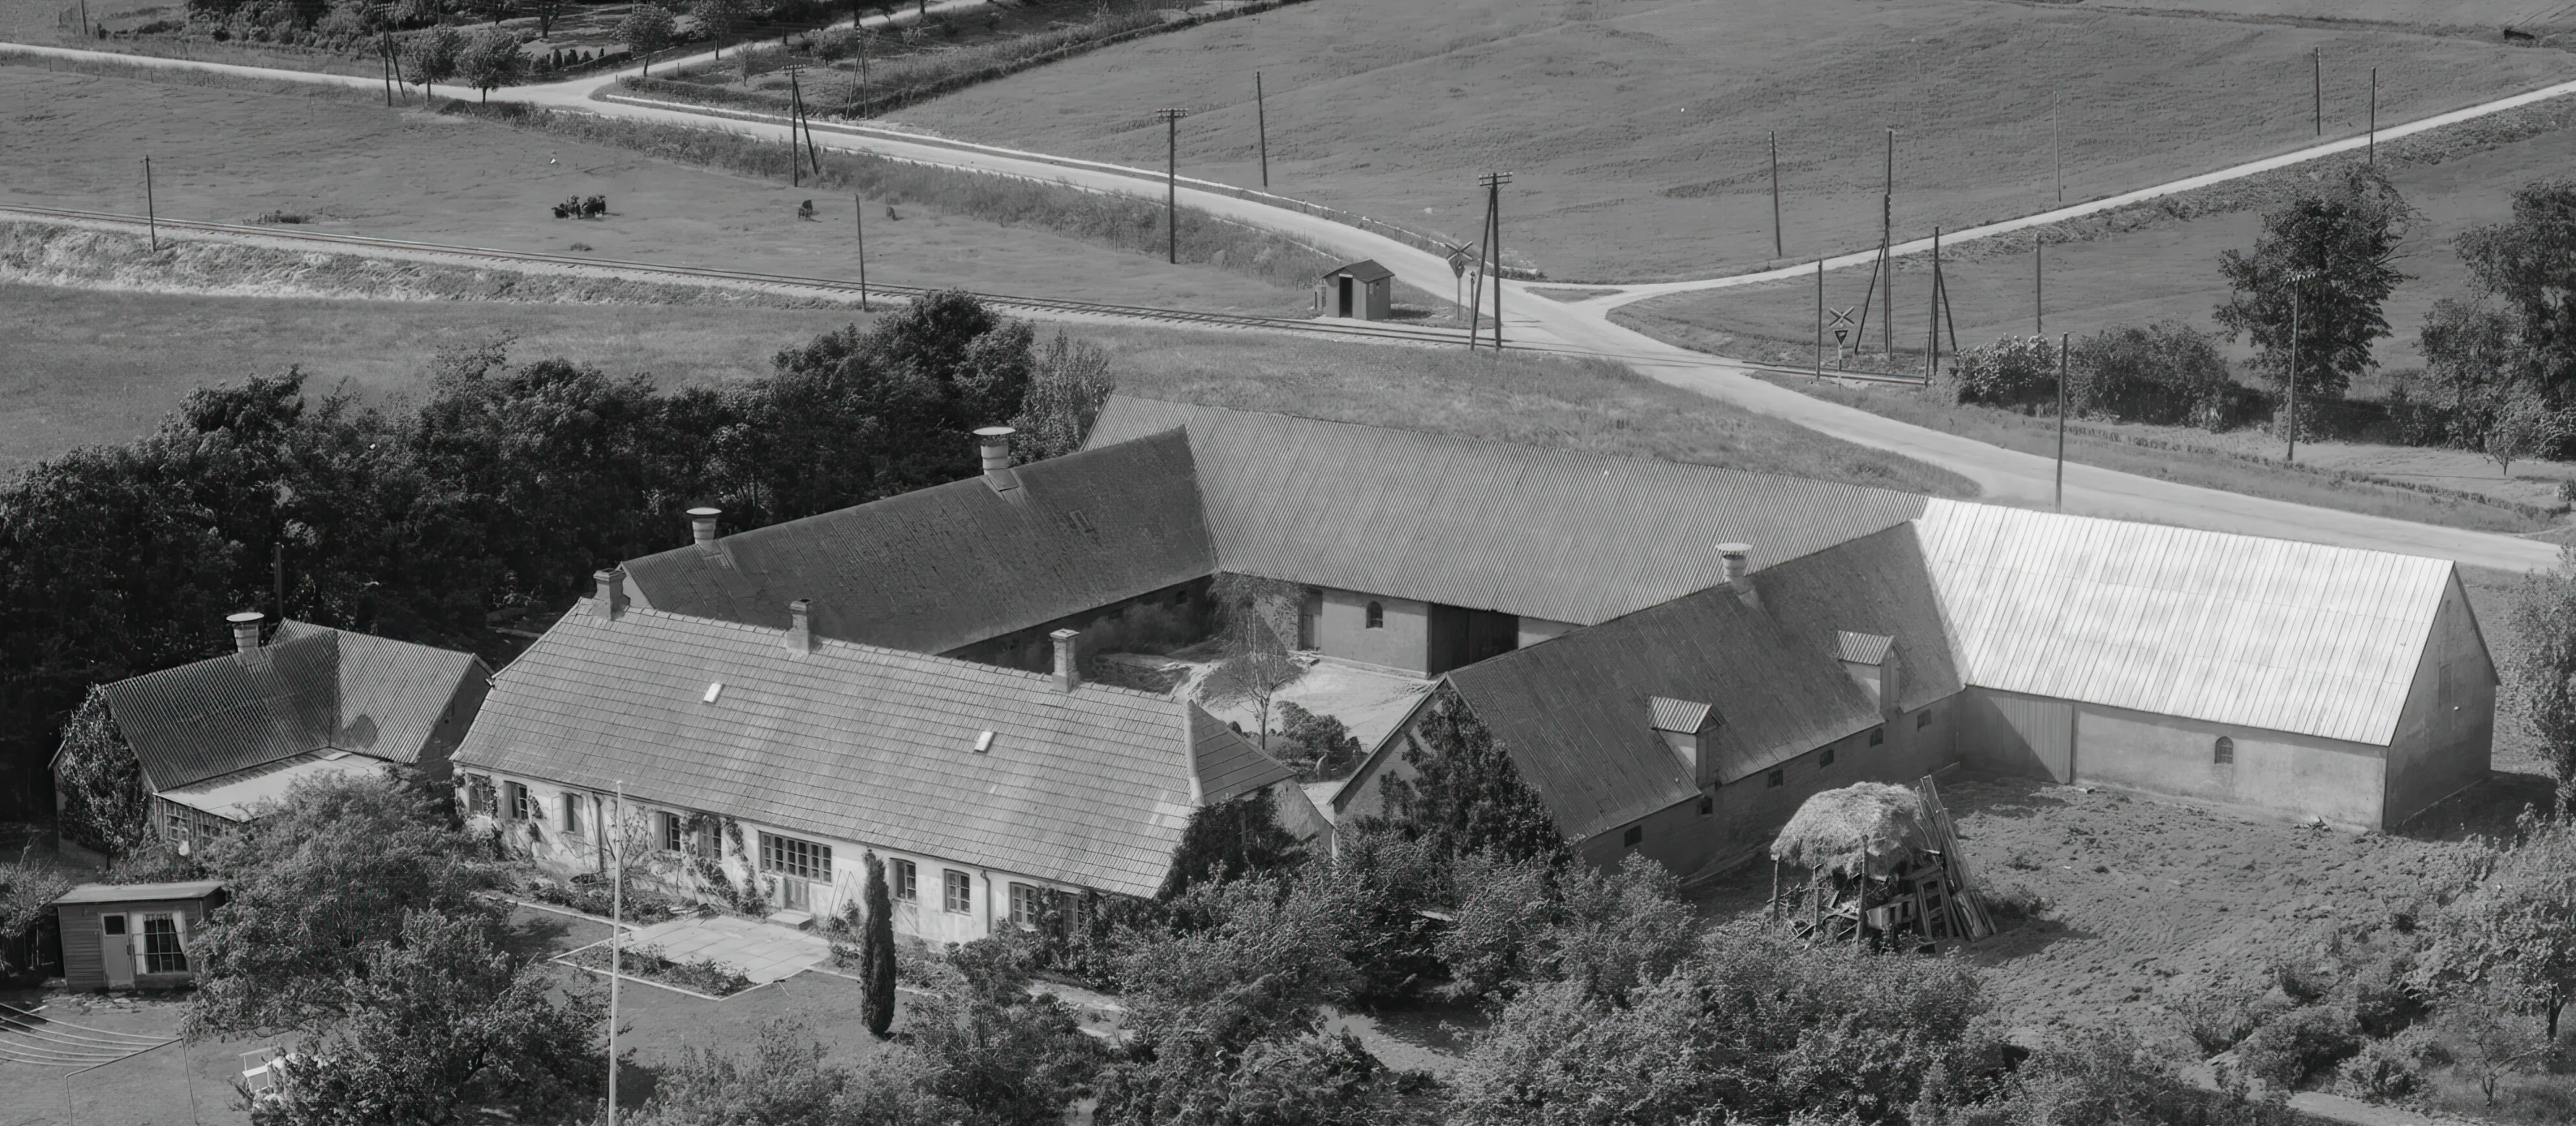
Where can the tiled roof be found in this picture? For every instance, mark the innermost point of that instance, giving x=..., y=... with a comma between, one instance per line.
x=863, y=744
x=2274, y=634
x=1574, y=711
x=936, y=569
x=1553, y=534
x=310, y=688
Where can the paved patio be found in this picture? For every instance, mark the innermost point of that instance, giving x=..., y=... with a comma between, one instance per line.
x=764, y=952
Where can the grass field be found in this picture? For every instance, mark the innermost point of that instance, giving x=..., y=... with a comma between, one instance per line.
x=77, y=141
x=1636, y=127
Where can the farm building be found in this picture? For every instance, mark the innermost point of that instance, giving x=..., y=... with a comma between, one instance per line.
x=1676, y=655
x=129, y=936
x=773, y=760
x=1363, y=290
x=217, y=738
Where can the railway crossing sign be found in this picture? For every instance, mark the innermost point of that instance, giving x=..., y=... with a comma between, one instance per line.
x=1458, y=259
x=1842, y=323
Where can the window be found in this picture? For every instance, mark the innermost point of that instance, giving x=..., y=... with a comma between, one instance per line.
x=161, y=952
x=478, y=795
x=788, y=856
x=522, y=807
x=111, y=924
x=1776, y=779
x=674, y=831
x=2224, y=751
x=1376, y=615
x=1634, y=834
x=1826, y=759
x=1707, y=805
x=1878, y=735
x=572, y=813
x=1025, y=911
x=959, y=894
x=906, y=879
x=1923, y=719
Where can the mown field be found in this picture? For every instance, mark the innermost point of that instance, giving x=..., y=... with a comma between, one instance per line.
x=77, y=141
x=1636, y=127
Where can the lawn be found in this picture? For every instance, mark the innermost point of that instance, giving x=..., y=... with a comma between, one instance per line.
x=234, y=156
x=1636, y=128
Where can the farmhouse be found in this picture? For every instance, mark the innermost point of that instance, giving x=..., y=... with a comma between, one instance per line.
x=217, y=738
x=1675, y=656
x=763, y=764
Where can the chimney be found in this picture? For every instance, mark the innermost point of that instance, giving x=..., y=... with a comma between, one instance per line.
x=612, y=592
x=1068, y=665
x=702, y=527
x=246, y=630
x=1688, y=729
x=800, y=627
x=995, y=444
x=1738, y=572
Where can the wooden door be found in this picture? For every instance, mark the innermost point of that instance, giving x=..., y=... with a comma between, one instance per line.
x=116, y=950
x=2047, y=727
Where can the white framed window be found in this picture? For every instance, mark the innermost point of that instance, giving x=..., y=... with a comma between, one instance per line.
x=957, y=892
x=523, y=807
x=788, y=856
x=162, y=953
x=1026, y=908
x=572, y=813
x=905, y=879
x=2223, y=752
x=674, y=831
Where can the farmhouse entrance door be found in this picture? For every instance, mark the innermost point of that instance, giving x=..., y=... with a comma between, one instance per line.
x=116, y=949
x=793, y=894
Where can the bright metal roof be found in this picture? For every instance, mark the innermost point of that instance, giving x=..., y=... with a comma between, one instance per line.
x=2267, y=633
x=139, y=893
x=238, y=796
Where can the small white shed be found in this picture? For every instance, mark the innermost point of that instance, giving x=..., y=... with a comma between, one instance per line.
x=1363, y=290
x=129, y=936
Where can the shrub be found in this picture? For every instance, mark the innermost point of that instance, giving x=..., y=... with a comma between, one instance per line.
x=2300, y=1045
x=2166, y=373
x=2383, y=1070
x=1318, y=745
x=2217, y=1016
x=2011, y=372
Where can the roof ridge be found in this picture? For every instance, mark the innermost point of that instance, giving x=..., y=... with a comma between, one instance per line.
x=2012, y=511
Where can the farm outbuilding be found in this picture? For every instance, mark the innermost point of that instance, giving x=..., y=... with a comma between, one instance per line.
x=1362, y=290
x=133, y=936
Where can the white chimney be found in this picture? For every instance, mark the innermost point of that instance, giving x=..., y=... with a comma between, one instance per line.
x=702, y=527
x=246, y=630
x=611, y=592
x=800, y=627
x=1068, y=665
x=994, y=442
x=1739, y=572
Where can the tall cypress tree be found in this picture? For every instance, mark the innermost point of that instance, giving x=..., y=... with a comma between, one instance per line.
x=876, y=950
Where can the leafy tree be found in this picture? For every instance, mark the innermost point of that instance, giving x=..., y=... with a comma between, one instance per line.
x=2529, y=263
x=2096, y=1077
x=782, y=1082
x=1232, y=839
x=1254, y=662
x=1320, y=746
x=876, y=949
x=314, y=887
x=490, y=60
x=547, y=12
x=1376, y=883
x=28, y=888
x=1465, y=794
x=2490, y=1038
x=2520, y=427
x=2472, y=352
x=434, y=56
x=719, y=18
x=1524, y=923
x=100, y=783
x=1068, y=385
x=2515, y=930
x=2011, y=371
x=440, y=1027
x=2540, y=668
x=2164, y=373
x=2345, y=236
x=646, y=29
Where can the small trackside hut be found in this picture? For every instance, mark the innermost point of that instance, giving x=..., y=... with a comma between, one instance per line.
x=133, y=936
x=1362, y=290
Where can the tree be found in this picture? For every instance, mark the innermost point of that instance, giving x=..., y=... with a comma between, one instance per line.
x=646, y=29
x=2344, y=239
x=439, y=1026
x=1320, y=746
x=876, y=950
x=2520, y=427
x=99, y=783
x=1067, y=388
x=2529, y=263
x=2515, y=931
x=1523, y=923
x=2472, y=353
x=1254, y=662
x=2490, y=1038
x=547, y=12
x=1232, y=840
x=2011, y=371
x=719, y=18
x=491, y=60
x=2164, y=373
x=1465, y=794
x=2540, y=668
x=433, y=56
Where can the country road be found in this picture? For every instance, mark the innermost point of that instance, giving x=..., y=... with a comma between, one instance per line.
x=2005, y=476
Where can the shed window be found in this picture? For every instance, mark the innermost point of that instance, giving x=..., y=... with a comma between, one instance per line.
x=906, y=879
x=1878, y=735
x=1923, y=719
x=1634, y=834
x=959, y=893
x=572, y=813
x=788, y=856
x=2223, y=751
x=1707, y=805
x=1827, y=758
x=111, y=924
x=1376, y=615
x=1776, y=779
x=161, y=952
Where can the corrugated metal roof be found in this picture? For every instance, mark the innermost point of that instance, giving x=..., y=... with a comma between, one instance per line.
x=238, y=795
x=1683, y=716
x=1552, y=534
x=1574, y=710
x=1861, y=648
x=2268, y=633
x=137, y=893
x=936, y=569
x=858, y=743
x=310, y=688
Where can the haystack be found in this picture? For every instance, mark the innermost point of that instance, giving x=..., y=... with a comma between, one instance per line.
x=1868, y=828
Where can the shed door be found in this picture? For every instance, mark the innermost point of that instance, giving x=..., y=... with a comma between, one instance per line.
x=1344, y=309
x=2047, y=727
x=116, y=950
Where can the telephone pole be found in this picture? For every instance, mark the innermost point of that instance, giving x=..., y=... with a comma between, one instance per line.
x=1886, y=244
x=2317, y=87
x=1171, y=182
x=2062, y=339
x=2038, y=275
x=1778, y=249
x=2371, y=155
x=1820, y=318
x=859, y=212
x=1493, y=184
x=1261, y=121
x=151, y=215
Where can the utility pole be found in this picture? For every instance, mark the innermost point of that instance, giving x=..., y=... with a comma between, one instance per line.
x=1261, y=121
x=2298, y=280
x=1171, y=182
x=84, y=19
x=2061, y=420
x=151, y=214
x=859, y=212
x=795, y=160
x=2057, y=162
x=1886, y=245
x=2317, y=78
x=616, y=927
x=1778, y=249
x=1932, y=322
x=2038, y=275
x=1493, y=183
x=277, y=575
x=1820, y=318
x=2371, y=155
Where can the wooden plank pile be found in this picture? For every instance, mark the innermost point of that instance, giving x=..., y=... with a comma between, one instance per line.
x=1911, y=890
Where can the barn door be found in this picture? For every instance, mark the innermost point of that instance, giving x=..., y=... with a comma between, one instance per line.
x=2047, y=727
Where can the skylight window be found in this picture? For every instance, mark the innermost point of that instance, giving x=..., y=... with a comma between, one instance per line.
x=715, y=688
x=984, y=742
